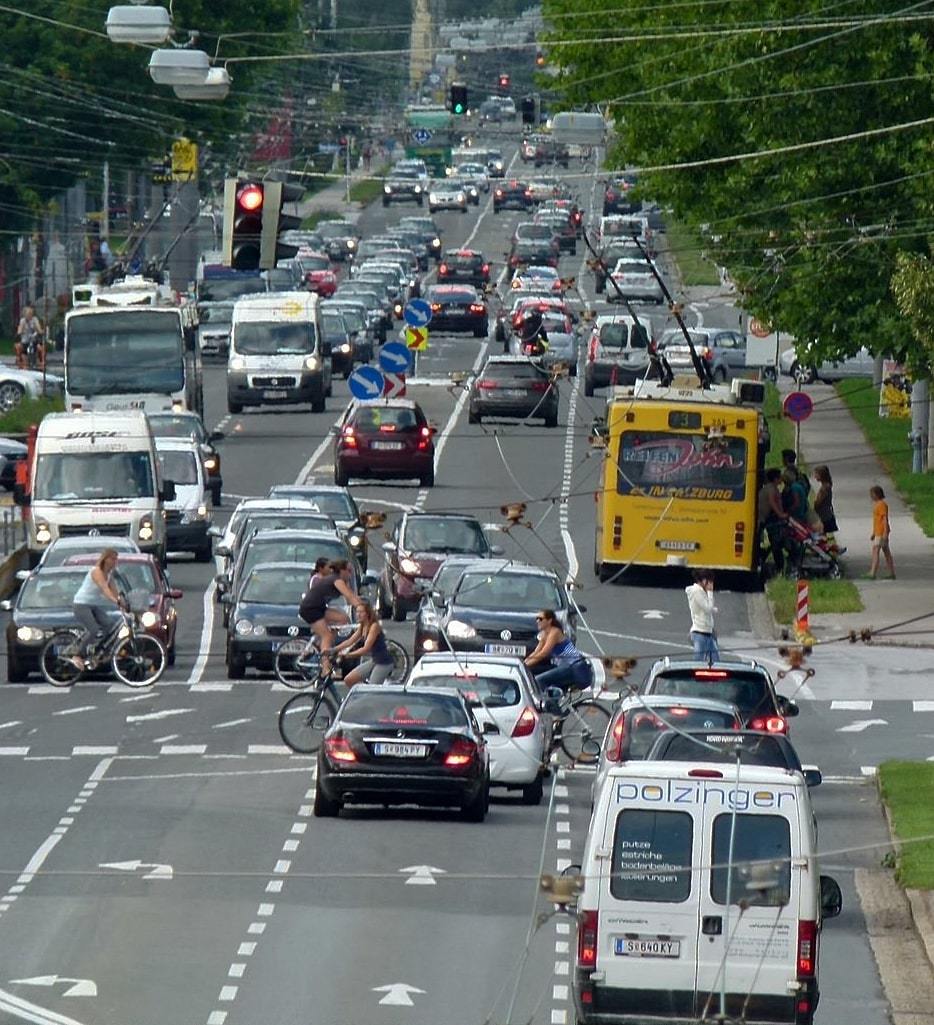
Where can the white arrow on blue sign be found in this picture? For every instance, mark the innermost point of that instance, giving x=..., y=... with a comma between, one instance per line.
x=417, y=313
x=366, y=383
x=395, y=358
x=421, y=136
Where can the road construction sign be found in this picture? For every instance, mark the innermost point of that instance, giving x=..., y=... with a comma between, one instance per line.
x=184, y=160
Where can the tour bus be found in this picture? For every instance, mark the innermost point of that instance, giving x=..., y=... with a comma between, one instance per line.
x=131, y=345
x=680, y=476
x=95, y=474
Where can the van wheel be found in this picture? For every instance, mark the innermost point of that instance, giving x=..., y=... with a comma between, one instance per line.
x=205, y=553
x=318, y=401
x=533, y=793
x=234, y=407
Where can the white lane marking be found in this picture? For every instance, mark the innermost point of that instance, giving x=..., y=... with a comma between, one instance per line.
x=562, y=928
x=561, y=947
x=217, y=1018
x=869, y=770
x=922, y=706
x=256, y=928
x=164, y=713
x=17, y=752
x=562, y=967
x=265, y=910
x=268, y=749
x=228, y=993
x=397, y=994
x=298, y=828
x=214, y=685
x=14, y=722
x=207, y=631
x=641, y=639
x=137, y=697
x=559, y=992
x=230, y=722
x=290, y=846
x=166, y=739
x=91, y=750
x=282, y=866
x=326, y=441
x=46, y=688
x=246, y=949
x=183, y=749
x=851, y=706
x=74, y=711
x=28, y=1011
x=559, y=1017
x=274, y=886
x=861, y=725
x=236, y=970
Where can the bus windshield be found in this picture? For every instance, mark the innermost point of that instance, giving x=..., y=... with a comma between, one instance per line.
x=93, y=476
x=664, y=464
x=121, y=352
x=225, y=289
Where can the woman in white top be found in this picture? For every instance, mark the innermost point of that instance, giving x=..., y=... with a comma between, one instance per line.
x=96, y=601
x=702, y=608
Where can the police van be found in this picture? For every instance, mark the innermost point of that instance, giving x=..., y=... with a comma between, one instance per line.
x=700, y=883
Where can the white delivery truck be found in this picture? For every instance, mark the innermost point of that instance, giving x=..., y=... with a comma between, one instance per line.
x=96, y=474
x=277, y=352
x=700, y=881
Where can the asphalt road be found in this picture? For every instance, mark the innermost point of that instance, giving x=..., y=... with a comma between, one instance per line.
x=160, y=862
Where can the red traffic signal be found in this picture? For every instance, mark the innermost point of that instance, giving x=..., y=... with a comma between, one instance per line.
x=243, y=223
x=540, y=59
x=504, y=81
x=250, y=197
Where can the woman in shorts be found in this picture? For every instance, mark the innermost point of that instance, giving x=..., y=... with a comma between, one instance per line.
x=367, y=642
x=313, y=608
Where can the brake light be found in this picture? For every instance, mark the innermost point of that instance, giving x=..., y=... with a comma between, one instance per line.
x=769, y=724
x=425, y=440
x=592, y=349
x=443, y=269
x=435, y=307
x=461, y=754
x=476, y=307
x=587, y=927
x=525, y=724
x=486, y=385
x=807, y=949
x=614, y=748
x=539, y=386
x=610, y=195
x=387, y=428
x=338, y=749
x=348, y=439
x=578, y=216
x=705, y=773
x=485, y=269
x=710, y=674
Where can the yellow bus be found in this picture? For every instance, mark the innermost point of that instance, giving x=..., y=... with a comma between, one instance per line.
x=680, y=477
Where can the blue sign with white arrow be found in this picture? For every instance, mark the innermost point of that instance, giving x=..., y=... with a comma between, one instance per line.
x=422, y=136
x=417, y=313
x=366, y=383
x=395, y=358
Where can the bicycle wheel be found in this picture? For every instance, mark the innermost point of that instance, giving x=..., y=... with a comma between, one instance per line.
x=583, y=730
x=138, y=660
x=292, y=675
x=400, y=662
x=55, y=660
x=303, y=720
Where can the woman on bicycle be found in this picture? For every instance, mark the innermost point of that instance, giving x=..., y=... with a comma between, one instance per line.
x=333, y=584
x=369, y=643
x=95, y=603
x=556, y=661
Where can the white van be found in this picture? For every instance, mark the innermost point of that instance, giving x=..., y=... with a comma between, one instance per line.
x=188, y=515
x=95, y=474
x=658, y=899
x=277, y=352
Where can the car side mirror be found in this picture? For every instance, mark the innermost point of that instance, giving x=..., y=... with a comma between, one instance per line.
x=496, y=549
x=168, y=491
x=369, y=579
x=812, y=775
x=20, y=495
x=227, y=599
x=489, y=728
x=22, y=574
x=215, y=532
x=6, y=605
x=831, y=897
x=223, y=550
x=787, y=707
x=388, y=547
x=175, y=592
x=216, y=436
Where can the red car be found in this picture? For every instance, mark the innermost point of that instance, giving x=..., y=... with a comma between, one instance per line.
x=140, y=572
x=386, y=439
x=317, y=274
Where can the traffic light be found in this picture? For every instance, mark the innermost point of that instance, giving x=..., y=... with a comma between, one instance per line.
x=504, y=81
x=539, y=59
x=528, y=110
x=243, y=223
x=458, y=98
x=276, y=221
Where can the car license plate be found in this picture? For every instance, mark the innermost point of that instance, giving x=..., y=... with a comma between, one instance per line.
x=513, y=393
x=393, y=750
x=648, y=948
x=275, y=393
x=504, y=649
x=388, y=446
x=457, y=311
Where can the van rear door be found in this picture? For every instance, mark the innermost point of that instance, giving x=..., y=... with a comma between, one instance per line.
x=765, y=883
x=648, y=921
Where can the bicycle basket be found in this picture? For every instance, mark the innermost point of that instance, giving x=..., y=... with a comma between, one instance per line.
x=138, y=600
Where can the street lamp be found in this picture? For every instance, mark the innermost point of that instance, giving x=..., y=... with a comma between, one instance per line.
x=134, y=24
x=214, y=86
x=179, y=67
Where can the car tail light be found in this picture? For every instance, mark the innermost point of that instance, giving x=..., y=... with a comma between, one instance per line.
x=807, y=949
x=443, y=269
x=499, y=192
x=578, y=216
x=485, y=269
x=348, y=438
x=461, y=754
x=540, y=386
x=710, y=674
x=610, y=195
x=525, y=724
x=486, y=385
x=424, y=440
x=476, y=307
x=614, y=747
x=436, y=307
x=587, y=926
x=705, y=773
x=338, y=749
x=387, y=428
x=592, y=349
x=769, y=724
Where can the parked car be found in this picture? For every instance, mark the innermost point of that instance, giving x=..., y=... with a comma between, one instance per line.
x=796, y=363
x=723, y=351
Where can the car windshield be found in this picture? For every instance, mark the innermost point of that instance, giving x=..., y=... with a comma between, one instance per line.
x=631, y=267
x=385, y=418
x=617, y=334
x=440, y=534
x=171, y=426
x=409, y=709
x=305, y=551
x=676, y=337
x=534, y=231
x=180, y=467
x=645, y=724
x=749, y=691
x=220, y=314
x=314, y=263
x=274, y=338
x=50, y=592
x=513, y=592
x=333, y=326
x=355, y=320
x=93, y=476
x=753, y=749
x=403, y=172
x=489, y=691
x=335, y=504
x=281, y=585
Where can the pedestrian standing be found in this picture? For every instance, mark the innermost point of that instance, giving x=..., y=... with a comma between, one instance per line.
x=881, y=529
x=701, y=605
x=823, y=500
x=772, y=516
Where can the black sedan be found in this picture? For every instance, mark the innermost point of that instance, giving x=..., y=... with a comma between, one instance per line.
x=340, y=239
x=511, y=195
x=44, y=604
x=531, y=252
x=389, y=745
x=513, y=386
x=464, y=267
x=458, y=308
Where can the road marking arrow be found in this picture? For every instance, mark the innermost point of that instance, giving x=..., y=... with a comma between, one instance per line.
x=862, y=724
x=653, y=613
x=76, y=987
x=397, y=994
x=17, y=1007
x=164, y=714
x=153, y=869
x=422, y=875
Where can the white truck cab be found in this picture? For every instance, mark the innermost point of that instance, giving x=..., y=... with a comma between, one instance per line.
x=96, y=474
x=277, y=352
x=700, y=880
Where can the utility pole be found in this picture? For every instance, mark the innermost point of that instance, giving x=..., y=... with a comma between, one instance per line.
x=105, y=213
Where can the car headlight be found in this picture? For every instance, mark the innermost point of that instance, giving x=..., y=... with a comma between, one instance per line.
x=149, y=619
x=417, y=189
x=409, y=566
x=28, y=634
x=238, y=363
x=351, y=243
x=311, y=363
x=432, y=197
x=43, y=532
x=210, y=463
x=356, y=541
x=146, y=531
x=436, y=243
x=345, y=347
x=460, y=197
x=460, y=630
x=387, y=189
x=244, y=627
x=429, y=644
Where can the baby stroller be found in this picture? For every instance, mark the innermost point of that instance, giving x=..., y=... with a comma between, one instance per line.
x=810, y=553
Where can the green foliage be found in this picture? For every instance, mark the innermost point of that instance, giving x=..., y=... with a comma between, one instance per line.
x=888, y=438
x=28, y=412
x=913, y=288
x=781, y=430
x=686, y=250
x=906, y=788
x=825, y=596
x=810, y=236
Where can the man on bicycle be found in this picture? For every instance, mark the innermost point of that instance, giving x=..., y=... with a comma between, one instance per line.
x=96, y=603
x=313, y=608
x=28, y=336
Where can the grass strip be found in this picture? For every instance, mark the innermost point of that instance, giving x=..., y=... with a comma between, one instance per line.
x=686, y=249
x=906, y=788
x=826, y=596
x=28, y=412
x=781, y=430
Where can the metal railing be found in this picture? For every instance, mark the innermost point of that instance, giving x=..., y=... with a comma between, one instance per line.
x=12, y=530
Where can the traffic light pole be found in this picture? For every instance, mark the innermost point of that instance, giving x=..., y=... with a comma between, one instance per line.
x=347, y=171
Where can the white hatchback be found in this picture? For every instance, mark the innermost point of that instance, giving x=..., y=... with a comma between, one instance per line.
x=500, y=690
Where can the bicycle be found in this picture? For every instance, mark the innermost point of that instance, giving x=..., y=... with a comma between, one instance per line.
x=580, y=725
x=136, y=658
x=306, y=717
x=300, y=674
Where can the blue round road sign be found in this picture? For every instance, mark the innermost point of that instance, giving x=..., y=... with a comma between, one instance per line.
x=417, y=313
x=366, y=383
x=798, y=406
x=395, y=358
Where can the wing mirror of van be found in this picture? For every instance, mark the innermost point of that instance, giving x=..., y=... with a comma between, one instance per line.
x=788, y=708
x=6, y=605
x=20, y=495
x=831, y=897
x=23, y=574
x=168, y=491
x=812, y=775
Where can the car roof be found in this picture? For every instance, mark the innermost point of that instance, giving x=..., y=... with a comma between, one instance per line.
x=448, y=289
x=284, y=489
x=500, y=567
x=428, y=514
x=681, y=770
x=82, y=559
x=734, y=663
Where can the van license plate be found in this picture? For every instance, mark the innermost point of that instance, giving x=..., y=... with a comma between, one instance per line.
x=648, y=948
x=275, y=394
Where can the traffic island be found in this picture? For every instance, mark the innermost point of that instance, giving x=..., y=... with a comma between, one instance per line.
x=826, y=596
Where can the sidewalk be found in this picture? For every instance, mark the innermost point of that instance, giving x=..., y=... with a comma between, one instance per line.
x=332, y=198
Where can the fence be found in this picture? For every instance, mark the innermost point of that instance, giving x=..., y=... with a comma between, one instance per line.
x=12, y=530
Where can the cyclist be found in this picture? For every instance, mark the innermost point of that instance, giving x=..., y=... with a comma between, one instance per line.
x=557, y=661
x=29, y=336
x=96, y=603
x=334, y=583
x=367, y=640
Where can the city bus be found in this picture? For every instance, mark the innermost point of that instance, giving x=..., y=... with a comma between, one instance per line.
x=429, y=135
x=131, y=345
x=680, y=477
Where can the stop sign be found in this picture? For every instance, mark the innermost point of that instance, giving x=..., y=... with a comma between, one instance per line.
x=759, y=329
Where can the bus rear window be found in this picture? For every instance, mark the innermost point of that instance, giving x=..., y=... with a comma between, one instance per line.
x=663, y=464
x=652, y=856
